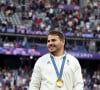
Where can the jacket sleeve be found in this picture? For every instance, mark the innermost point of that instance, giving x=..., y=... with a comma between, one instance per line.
x=78, y=80
x=36, y=78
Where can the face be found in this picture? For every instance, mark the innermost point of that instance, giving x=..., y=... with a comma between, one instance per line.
x=55, y=44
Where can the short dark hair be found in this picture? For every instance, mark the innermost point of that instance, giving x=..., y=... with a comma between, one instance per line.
x=58, y=33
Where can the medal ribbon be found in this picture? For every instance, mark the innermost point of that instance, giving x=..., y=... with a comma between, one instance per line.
x=59, y=74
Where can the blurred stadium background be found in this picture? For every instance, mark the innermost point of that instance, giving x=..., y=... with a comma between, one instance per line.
x=24, y=25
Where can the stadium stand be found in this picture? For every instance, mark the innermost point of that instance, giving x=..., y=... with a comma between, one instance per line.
x=24, y=25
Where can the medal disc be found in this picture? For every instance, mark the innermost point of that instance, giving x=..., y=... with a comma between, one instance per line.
x=59, y=83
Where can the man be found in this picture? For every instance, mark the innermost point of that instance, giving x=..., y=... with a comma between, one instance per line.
x=56, y=70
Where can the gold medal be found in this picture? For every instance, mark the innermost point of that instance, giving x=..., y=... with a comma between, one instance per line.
x=60, y=83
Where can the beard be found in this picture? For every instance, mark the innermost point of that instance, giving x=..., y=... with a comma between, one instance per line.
x=56, y=50
x=53, y=49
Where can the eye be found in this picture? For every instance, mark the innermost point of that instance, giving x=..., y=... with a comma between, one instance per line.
x=48, y=41
x=53, y=40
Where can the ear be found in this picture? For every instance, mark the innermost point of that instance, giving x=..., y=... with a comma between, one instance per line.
x=63, y=42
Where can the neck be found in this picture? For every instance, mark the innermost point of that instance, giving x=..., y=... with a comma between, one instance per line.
x=58, y=53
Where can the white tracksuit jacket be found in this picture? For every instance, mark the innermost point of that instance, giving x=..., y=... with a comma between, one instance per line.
x=44, y=76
